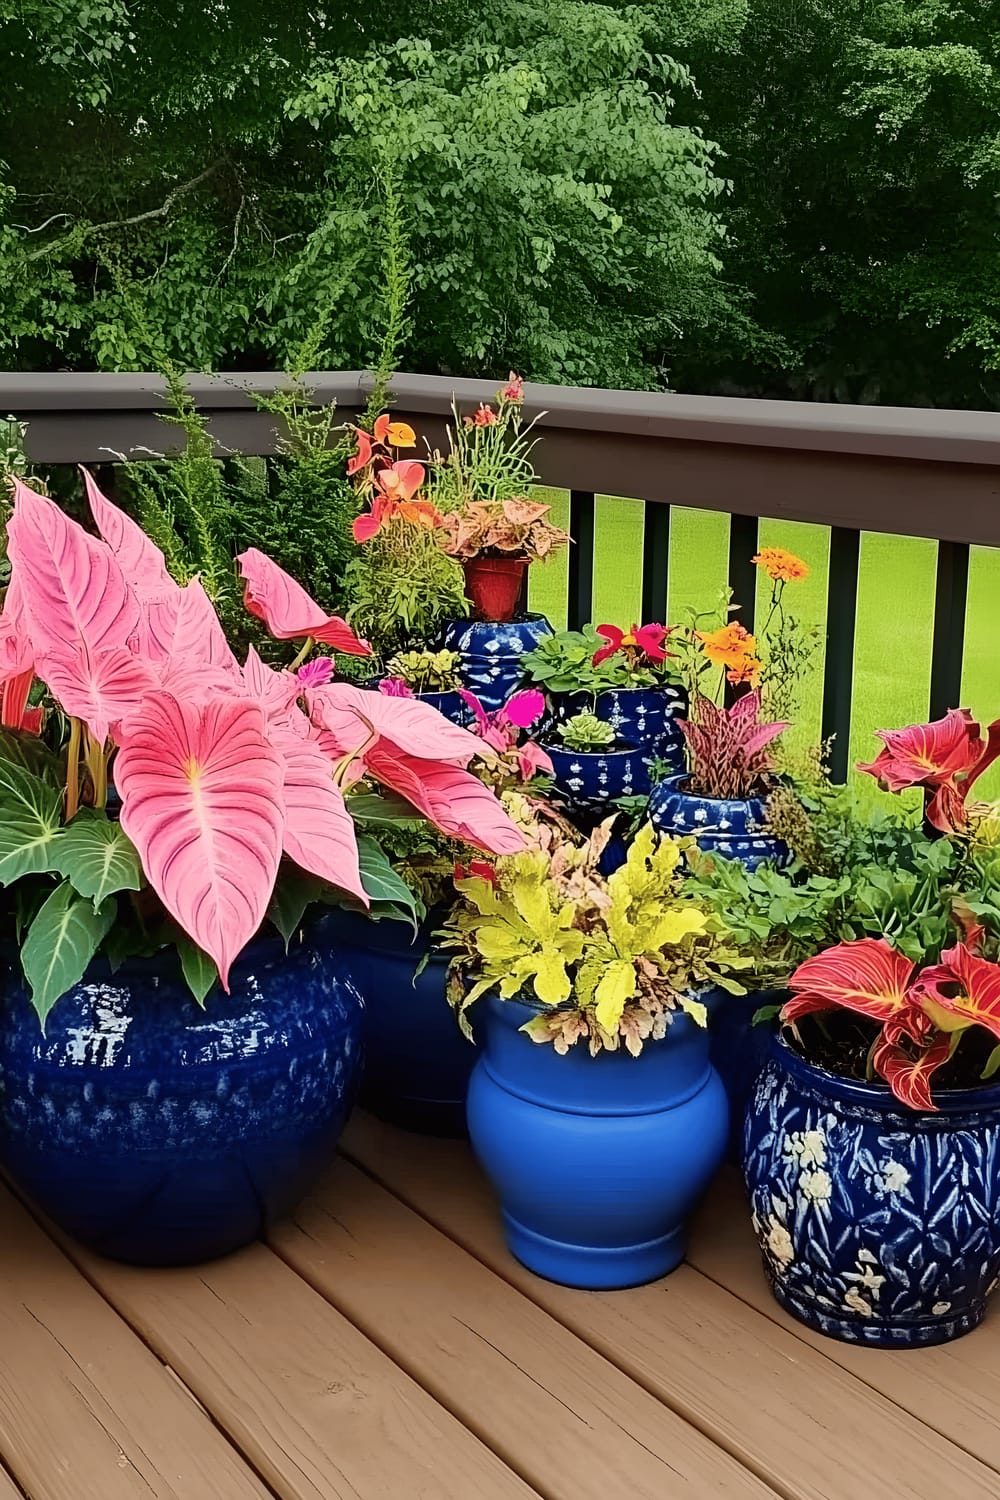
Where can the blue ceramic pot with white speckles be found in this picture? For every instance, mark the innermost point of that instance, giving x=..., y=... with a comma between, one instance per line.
x=490, y=654
x=877, y=1224
x=162, y=1134
x=586, y=781
x=733, y=827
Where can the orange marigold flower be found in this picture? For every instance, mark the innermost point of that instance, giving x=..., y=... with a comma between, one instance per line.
x=729, y=646
x=781, y=565
x=746, y=671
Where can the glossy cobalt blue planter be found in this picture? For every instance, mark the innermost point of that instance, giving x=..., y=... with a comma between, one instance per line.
x=877, y=1224
x=597, y=1161
x=162, y=1134
x=739, y=1049
x=647, y=717
x=586, y=781
x=417, y=1062
x=491, y=654
x=731, y=827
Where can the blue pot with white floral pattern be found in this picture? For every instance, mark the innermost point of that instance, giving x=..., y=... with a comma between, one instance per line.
x=647, y=716
x=598, y=1161
x=877, y=1224
x=585, y=781
x=490, y=654
x=161, y=1133
x=733, y=827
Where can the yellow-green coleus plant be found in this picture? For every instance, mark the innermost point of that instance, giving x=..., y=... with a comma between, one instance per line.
x=609, y=960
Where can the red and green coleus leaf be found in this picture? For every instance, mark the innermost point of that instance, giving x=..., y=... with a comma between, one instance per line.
x=867, y=976
x=962, y=990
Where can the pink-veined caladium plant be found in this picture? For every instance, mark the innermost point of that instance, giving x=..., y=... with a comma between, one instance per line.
x=728, y=747
x=234, y=779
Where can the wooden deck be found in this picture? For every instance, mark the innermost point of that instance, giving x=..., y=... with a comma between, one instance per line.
x=384, y=1346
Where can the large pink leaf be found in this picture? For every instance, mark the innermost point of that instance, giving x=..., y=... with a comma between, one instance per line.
x=319, y=831
x=100, y=687
x=276, y=692
x=141, y=561
x=183, y=629
x=73, y=591
x=288, y=611
x=16, y=653
x=350, y=715
x=201, y=793
x=453, y=800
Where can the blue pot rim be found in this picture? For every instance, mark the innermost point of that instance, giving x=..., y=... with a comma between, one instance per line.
x=629, y=750
x=531, y=617
x=672, y=786
x=878, y=1096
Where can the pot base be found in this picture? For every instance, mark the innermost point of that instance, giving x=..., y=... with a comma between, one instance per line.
x=870, y=1331
x=603, y=1268
x=438, y=1117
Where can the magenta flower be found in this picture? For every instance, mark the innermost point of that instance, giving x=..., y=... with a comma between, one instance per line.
x=316, y=673
x=395, y=687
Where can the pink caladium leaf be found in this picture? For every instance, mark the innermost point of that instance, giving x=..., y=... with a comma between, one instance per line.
x=16, y=652
x=352, y=716
x=73, y=591
x=319, y=831
x=99, y=687
x=276, y=691
x=183, y=630
x=454, y=800
x=288, y=611
x=140, y=560
x=202, y=801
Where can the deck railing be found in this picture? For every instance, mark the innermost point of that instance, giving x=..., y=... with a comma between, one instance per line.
x=909, y=472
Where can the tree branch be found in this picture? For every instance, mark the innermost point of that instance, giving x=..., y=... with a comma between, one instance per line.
x=150, y=213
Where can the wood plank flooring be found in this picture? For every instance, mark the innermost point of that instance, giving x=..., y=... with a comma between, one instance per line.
x=384, y=1346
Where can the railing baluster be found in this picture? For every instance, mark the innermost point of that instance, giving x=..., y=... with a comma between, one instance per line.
x=580, y=596
x=950, y=598
x=841, y=622
x=655, y=561
x=743, y=532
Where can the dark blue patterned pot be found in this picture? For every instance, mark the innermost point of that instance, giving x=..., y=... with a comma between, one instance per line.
x=597, y=1161
x=587, y=780
x=163, y=1134
x=739, y=1049
x=448, y=704
x=417, y=1062
x=732, y=827
x=647, y=717
x=878, y=1224
x=491, y=654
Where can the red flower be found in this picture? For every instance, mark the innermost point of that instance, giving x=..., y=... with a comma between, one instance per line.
x=362, y=458
x=485, y=416
x=514, y=389
x=646, y=640
x=478, y=869
x=948, y=755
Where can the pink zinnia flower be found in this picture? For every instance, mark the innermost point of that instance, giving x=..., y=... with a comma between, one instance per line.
x=316, y=673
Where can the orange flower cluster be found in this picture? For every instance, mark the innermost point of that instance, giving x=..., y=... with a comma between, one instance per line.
x=733, y=647
x=780, y=565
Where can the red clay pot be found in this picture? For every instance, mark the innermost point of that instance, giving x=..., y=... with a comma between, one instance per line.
x=493, y=586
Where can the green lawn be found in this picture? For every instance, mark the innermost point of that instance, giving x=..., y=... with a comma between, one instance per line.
x=892, y=651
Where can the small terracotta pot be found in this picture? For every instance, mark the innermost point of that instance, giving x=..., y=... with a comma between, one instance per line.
x=493, y=586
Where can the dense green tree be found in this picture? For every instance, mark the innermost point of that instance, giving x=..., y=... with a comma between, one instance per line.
x=863, y=141
x=208, y=176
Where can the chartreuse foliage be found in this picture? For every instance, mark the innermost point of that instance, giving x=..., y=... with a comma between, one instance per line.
x=611, y=960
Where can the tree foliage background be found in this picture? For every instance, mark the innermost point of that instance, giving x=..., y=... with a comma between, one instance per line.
x=789, y=199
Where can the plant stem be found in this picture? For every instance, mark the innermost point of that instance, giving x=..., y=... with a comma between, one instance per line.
x=307, y=647
x=73, y=769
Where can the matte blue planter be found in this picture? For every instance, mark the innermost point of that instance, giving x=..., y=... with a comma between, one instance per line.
x=586, y=781
x=597, y=1161
x=878, y=1224
x=731, y=827
x=162, y=1134
x=417, y=1062
x=491, y=654
x=738, y=1050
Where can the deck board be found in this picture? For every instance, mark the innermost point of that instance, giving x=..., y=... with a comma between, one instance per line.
x=320, y=1412
x=954, y=1388
x=86, y=1411
x=571, y=1422
x=787, y=1410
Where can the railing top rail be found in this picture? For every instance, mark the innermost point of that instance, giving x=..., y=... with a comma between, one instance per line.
x=915, y=472
x=886, y=431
